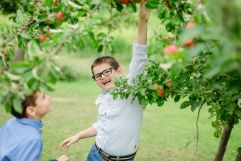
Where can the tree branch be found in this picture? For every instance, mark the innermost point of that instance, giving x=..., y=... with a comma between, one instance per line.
x=23, y=28
x=61, y=44
x=197, y=128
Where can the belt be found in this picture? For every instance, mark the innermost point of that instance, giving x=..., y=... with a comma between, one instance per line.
x=108, y=157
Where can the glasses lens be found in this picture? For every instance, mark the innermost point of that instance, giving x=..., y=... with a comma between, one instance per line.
x=107, y=72
x=97, y=77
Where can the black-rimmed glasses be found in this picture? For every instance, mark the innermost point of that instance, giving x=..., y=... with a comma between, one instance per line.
x=105, y=72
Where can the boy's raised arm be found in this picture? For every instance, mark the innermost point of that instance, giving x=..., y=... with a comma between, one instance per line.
x=139, y=57
x=142, y=24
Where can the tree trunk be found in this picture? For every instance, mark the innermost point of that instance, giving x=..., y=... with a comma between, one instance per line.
x=238, y=157
x=224, y=141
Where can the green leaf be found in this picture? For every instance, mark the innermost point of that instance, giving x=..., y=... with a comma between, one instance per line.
x=11, y=52
x=239, y=150
x=92, y=36
x=162, y=12
x=238, y=113
x=17, y=105
x=115, y=96
x=42, y=17
x=8, y=107
x=176, y=69
x=195, y=51
x=185, y=104
x=12, y=77
x=81, y=44
x=143, y=102
x=26, y=35
x=101, y=35
x=74, y=5
x=20, y=67
x=177, y=98
x=48, y=3
x=132, y=6
x=52, y=77
x=119, y=7
x=48, y=87
x=21, y=42
x=152, y=4
x=143, y=91
x=194, y=105
x=160, y=102
x=100, y=48
x=33, y=84
x=191, y=34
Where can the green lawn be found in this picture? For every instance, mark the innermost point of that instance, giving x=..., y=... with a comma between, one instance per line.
x=168, y=133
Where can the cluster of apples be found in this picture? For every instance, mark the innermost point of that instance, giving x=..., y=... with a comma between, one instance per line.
x=161, y=92
x=59, y=16
x=173, y=49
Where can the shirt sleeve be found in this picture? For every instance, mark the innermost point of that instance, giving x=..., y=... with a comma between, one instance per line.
x=28, y=151
x=139, y=58
x=96, y=126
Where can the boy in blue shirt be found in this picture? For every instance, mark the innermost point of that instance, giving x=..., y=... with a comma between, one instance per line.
x=20, y=137
x=118, y=125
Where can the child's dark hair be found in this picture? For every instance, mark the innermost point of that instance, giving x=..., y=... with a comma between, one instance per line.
x=105, y=59
x=28, y=101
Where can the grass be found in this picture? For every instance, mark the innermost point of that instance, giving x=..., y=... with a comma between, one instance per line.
x=168, y=133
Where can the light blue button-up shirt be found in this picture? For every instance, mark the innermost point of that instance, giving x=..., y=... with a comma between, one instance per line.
x=20, y=140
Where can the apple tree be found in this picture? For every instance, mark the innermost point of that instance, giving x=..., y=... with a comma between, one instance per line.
x=197, y=62
x=37, y=30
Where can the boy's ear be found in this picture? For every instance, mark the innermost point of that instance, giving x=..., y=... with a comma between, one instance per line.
x=120, y=71
x=30, y=111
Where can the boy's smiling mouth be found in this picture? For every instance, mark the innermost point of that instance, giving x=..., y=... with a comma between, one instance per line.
x=106, y=82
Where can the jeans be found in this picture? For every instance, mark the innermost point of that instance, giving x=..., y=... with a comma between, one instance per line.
x=94, y=155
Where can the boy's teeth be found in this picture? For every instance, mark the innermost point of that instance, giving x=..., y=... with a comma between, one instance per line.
x=104, y=83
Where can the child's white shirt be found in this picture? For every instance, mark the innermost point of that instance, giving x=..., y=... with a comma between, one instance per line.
x=119, y=121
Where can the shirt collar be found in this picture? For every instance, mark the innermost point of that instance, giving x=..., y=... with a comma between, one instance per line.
x=104, y=92
x=32, y=122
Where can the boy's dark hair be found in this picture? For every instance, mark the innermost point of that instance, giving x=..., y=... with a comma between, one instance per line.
x=105, y=59
x=28, y=101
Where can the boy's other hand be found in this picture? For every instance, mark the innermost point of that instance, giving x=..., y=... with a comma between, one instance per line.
x=144, y=12
x=67, y=142
x=63, y=158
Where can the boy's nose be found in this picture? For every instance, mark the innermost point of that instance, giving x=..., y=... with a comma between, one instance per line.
x=103, y=76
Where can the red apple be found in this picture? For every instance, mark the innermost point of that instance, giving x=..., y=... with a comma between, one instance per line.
x=155, y=86
x=124, y=1
x=190, y=25
x=168, y=84
x=171, y=49
x=168, y=37
x=42, y=37
x=59, y=16
x=189, y=43
x=160, y=92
